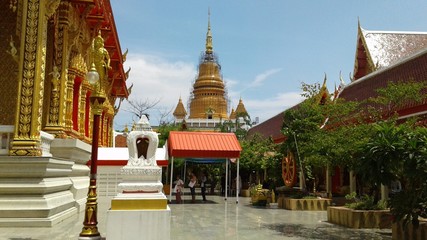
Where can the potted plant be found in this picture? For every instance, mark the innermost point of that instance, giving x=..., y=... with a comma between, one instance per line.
x=259, y=195
x=361, y=212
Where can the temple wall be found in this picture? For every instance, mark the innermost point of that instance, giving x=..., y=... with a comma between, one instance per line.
x=8, y=63
x=44, y=49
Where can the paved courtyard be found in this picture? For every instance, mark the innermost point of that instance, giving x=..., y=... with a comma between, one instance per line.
x=217, y=219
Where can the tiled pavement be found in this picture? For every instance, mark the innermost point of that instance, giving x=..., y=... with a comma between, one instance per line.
x=217, y=219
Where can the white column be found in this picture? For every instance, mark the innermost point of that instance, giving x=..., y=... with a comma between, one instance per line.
x=237, y=182
x=171, y=182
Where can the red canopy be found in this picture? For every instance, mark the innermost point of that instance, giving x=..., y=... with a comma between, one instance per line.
x=203, y=145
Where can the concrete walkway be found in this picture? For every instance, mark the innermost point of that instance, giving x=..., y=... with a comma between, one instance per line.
x=216, y=219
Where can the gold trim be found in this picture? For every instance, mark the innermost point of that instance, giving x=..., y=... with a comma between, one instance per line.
x=138, y=204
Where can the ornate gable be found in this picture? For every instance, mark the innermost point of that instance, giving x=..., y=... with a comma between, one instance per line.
x=380, y=49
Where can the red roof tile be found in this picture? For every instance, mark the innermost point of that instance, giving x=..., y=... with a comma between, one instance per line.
x=270, y=128
x=410, y=69
x=203, y=145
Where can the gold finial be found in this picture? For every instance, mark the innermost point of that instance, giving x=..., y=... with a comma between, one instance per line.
x=98, y=39
x=124, y=55
x=324, y=81
x=209, y=46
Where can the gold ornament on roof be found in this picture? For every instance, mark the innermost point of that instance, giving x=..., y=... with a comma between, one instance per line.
x=209, y=45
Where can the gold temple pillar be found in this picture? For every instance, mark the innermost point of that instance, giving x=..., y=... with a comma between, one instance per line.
x=82, y=112
x=31, y=76
x=59, y=77
x=69, y=101
x=105, y=130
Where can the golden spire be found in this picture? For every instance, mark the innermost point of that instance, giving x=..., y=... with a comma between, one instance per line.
x=241, y=110
x=180, y=112
x=323, y=92
x=209, y=45
x=232, y=114
x=209, y=98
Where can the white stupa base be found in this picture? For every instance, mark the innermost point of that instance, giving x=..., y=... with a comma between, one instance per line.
x=138, y=224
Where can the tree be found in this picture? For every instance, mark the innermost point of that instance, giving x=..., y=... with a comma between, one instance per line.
x=258, y=153
x=139, y=107
x=164, y=130
x=398, y=152
x=396, y=95
x=336, y=134
x=411, y=202
x=239, y=126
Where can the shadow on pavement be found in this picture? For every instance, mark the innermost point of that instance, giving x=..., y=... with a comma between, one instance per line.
x=326, y=231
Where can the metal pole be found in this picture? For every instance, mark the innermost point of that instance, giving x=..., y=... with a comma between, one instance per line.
x=300, y=163
x=237, y=182
x=96, y=75
x=226, y=178
x=90, y=229
x=171, y=182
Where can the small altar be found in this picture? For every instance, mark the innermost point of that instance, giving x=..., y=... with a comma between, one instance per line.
x=140, y=210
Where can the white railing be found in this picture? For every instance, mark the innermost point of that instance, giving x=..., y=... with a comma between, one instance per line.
x=203, y=122
x=46, y=140
x=107, y=183
x=6, y=134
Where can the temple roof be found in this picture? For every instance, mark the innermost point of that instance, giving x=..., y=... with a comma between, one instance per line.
x=413, y=68
x=233, y=114
x=241, y=110
x=405, y=61
x=273, y=127
x=270, y=128
x=180, y=110
x=203, y=145
x=379, y=49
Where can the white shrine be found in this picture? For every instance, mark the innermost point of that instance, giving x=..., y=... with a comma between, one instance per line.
x=140, y=210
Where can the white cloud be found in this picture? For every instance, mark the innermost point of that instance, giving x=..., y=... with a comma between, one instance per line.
x=155, y=78
x=260, y=78
x=269, y=107
x=257, y=82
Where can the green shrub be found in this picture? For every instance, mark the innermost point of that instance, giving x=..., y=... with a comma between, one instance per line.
x=364, y=202
x=297, y=195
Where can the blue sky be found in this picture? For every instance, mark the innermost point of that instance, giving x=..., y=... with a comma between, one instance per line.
x=266, y=47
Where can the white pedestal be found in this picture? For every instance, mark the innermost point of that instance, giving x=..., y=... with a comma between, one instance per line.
x=138, y=224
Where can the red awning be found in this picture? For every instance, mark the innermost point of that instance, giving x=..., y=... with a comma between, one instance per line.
x=203, y=145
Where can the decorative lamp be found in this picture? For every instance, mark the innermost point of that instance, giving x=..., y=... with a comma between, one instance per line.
x=92, y=76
